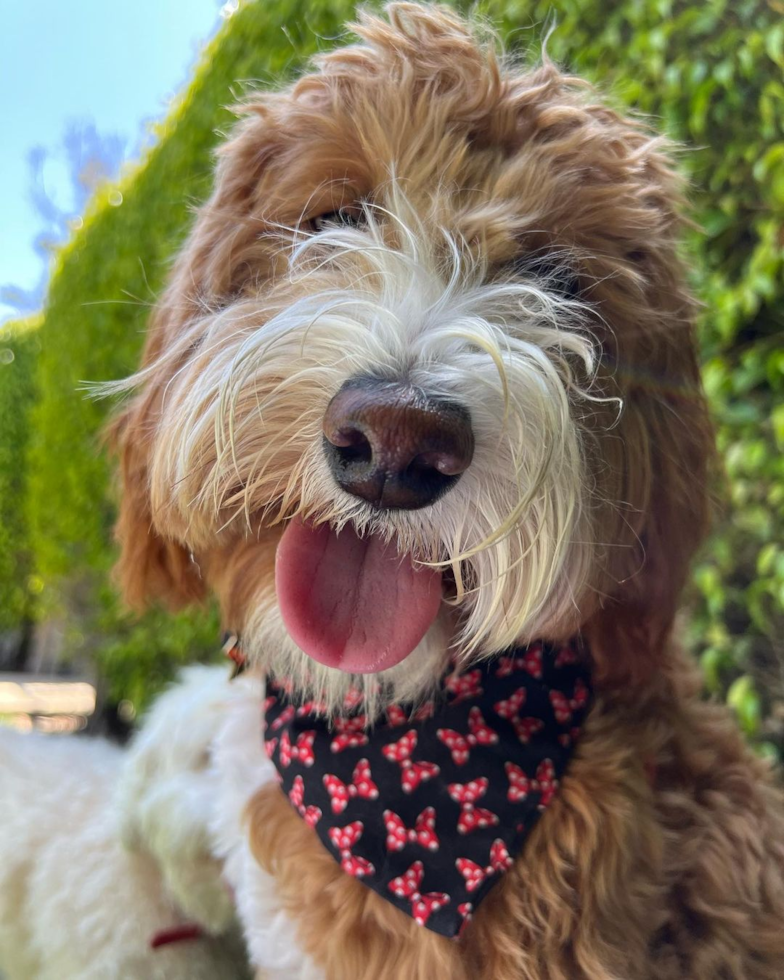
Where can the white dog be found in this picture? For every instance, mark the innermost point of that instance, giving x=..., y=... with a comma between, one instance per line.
x=106, y=857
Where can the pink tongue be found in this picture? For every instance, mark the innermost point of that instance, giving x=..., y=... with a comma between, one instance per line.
x=352, y=602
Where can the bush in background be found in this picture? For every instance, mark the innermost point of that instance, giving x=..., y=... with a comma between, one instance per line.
x=19, y=346
x=710, y=74
x=103, y=285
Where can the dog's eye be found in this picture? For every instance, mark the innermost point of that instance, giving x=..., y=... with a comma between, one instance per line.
x=347, y=217
x=548, y=272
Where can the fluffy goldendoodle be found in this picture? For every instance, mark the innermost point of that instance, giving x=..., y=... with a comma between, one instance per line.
x=421, y=406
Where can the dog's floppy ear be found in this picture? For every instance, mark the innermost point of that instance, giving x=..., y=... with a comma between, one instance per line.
x=665, y=444
x=662, y=449
x=614, y=201
x=222, y=252
x=152, y=567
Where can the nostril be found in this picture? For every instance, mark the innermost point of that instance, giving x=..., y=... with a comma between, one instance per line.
x=425, y=476
x=444, y=463
x=350, y=446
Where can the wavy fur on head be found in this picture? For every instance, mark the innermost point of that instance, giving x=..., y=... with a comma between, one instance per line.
x=501, y=237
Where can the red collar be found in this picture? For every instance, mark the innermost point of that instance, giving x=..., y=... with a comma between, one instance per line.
x=176, y=934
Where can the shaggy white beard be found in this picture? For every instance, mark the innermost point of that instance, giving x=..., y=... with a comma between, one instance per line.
x=241, y=435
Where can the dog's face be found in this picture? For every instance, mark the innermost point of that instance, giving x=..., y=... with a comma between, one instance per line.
x=424, y=378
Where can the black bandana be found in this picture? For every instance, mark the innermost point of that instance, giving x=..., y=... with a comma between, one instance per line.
x=430, y=808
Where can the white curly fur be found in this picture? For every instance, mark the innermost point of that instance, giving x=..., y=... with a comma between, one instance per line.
x=242, y=767
x=100, y=849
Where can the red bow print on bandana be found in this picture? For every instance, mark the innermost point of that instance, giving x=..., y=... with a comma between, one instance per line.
x=412, y=773
x=361, y=785
x=520, y=785
x=423, y=832
x=302, y=751
x=530, y=660
x=310, y=814
x=351, y=733
x=564, y=706
x=397, y=715
x=433, y=803
x=460, y=746
x=408, y=885
x=344, y=839
x=474, y=874
x=463, y=687
x=471, y=817
x=283, y=718
x=525, y=728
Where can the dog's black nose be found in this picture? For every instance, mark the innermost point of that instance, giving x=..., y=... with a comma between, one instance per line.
x=393, y=446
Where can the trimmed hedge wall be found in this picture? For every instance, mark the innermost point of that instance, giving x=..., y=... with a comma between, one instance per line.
x=19, y=346
x=711, y=75
x=100, y=294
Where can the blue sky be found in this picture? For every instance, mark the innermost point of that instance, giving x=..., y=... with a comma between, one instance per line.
x=113, y=63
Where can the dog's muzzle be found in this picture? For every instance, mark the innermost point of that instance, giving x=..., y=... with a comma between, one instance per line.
x=394, y=446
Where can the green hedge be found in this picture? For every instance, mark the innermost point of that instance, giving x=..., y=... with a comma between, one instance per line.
x=100, y=294
x=710, y=73
x=19, y=345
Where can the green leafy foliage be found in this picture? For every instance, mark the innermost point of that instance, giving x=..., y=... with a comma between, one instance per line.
x=104, y=283
x=712, y=73
x=18, y=586
x=709, y=74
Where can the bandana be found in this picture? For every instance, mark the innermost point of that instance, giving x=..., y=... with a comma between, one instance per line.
x=429, y=807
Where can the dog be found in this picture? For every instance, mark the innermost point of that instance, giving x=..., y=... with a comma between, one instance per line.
x=421, y=407
x=107, y=863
